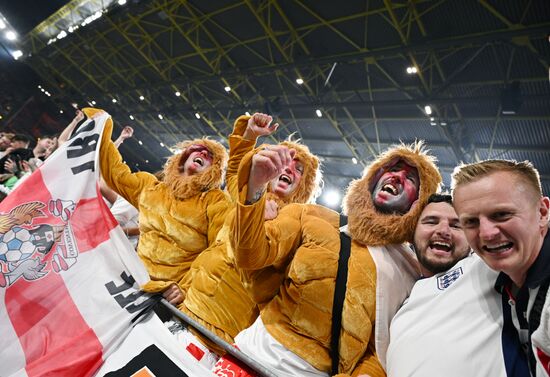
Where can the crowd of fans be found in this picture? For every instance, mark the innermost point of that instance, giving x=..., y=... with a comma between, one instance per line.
x=18, y=159
x=260, y=265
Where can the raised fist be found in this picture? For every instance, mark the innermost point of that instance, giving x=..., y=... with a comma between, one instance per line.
x=259, y=125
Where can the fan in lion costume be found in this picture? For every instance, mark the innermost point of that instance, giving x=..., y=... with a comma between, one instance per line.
x=180, y=215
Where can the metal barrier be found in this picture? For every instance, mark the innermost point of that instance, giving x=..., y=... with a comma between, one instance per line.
x=230, y=349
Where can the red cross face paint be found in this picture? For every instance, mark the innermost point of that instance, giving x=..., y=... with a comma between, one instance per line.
x=196, y=159
x=396, y=189
x=286, y=183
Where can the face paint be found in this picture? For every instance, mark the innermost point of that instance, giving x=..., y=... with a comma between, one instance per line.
x=196, y=159
x=396, y=189
x=287, y=183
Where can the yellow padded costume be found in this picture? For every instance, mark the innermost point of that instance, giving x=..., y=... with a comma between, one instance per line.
x=178, y=217
x=301, y=247
x=215, y=296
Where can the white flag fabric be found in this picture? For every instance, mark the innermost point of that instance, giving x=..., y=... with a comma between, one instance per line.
x=69, y=278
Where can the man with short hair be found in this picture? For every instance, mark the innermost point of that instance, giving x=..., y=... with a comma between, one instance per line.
x=20, y=141
x=505, y=218
x=451, y=324
x=42, y=145
x=17, y=152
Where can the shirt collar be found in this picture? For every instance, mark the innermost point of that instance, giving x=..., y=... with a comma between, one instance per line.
x=540, y=270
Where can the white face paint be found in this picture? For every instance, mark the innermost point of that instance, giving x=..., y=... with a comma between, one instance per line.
x=396, y=189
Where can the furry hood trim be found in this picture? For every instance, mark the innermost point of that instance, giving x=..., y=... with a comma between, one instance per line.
x=186, y=187
x=371, y=227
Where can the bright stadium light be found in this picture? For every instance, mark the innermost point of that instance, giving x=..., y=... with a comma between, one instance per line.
x=299, y=81
x=197, y=115
x=332, y=198
x=17, y=54
x=428, y=109
x=319, y=113
x=11, y=36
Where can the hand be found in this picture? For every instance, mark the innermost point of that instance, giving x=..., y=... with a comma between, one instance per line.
x=11, y=166
x=127, y=132
x=173, y=294
x=271, y=210
x=79, y=115
x=267, y=164
x=259, y=125
x=25, y=166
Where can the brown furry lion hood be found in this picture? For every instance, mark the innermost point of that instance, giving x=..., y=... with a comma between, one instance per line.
x=365, y=223
x=186, y=187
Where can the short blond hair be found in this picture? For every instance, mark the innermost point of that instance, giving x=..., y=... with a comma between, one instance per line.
x=524, y=171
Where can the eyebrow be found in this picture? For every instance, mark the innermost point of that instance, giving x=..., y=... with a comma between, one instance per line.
x=431, y=217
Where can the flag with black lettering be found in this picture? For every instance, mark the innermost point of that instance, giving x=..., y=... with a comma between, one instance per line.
x=69, y=278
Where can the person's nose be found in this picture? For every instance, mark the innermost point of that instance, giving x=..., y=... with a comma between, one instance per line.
x=398, y=177
x=488, y=231
x=443, y=230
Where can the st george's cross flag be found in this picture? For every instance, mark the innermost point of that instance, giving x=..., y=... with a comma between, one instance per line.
x=69, y=278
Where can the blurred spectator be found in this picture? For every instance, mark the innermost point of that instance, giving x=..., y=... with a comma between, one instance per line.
x=5, y=142
x=19, y=141
x=42, y=146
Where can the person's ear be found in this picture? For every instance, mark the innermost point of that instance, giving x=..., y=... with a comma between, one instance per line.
x=544, y=210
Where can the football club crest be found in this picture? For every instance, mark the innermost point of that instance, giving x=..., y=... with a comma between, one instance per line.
x=444, y=281
x=31, y=251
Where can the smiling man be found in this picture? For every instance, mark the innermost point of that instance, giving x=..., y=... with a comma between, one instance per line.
x=451, y=324
x=505, y=218
x=180, y=216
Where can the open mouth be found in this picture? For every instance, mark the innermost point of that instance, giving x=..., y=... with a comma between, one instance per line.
x=388, y=187
x=441, y=246
x=199, y=161
x=285, y=178
x=500, y=248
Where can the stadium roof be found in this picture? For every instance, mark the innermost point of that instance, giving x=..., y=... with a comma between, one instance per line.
x=183, y=69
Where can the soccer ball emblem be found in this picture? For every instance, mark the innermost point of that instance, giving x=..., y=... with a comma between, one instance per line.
x=16, y=245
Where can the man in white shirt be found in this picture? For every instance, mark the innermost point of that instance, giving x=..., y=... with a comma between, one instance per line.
x=451, y=324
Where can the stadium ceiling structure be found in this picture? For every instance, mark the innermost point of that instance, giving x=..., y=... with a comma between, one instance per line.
x=347, y=77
